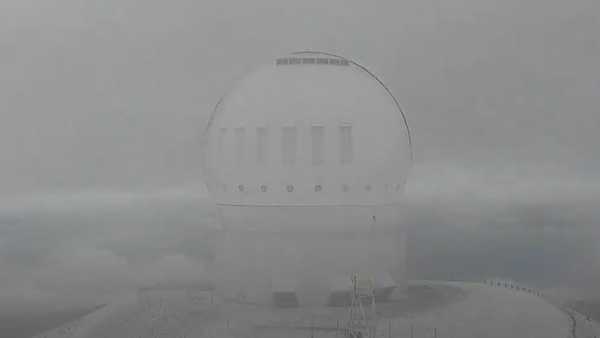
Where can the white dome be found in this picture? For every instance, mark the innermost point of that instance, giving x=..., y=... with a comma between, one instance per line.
x=307, y=158
x=307, y=129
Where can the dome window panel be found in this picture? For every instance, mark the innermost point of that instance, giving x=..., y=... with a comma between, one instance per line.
x=221, y=139
x=289, y=145
x=262, y=141
x=240, y=145
x=346, y=144
x=317, y=134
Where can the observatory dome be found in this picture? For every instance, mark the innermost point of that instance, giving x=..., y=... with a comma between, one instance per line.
x=307, y=129
x=307, y=158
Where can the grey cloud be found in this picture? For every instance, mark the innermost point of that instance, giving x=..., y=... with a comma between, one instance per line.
x=64, y=255
x=114, y=95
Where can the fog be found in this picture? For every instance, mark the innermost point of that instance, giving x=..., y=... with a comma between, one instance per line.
x=103, y=104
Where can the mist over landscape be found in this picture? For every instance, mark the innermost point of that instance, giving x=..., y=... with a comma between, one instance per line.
x=103, y=105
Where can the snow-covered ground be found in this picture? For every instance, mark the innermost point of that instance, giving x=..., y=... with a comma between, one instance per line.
x=475, y=310
x=495, y=312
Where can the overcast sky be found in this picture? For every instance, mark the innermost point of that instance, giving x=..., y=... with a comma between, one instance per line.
x=102, y=102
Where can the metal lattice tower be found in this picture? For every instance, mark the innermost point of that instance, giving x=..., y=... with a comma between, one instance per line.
x=361, y=314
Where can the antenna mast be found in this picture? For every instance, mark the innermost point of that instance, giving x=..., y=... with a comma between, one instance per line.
x=361, y=319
